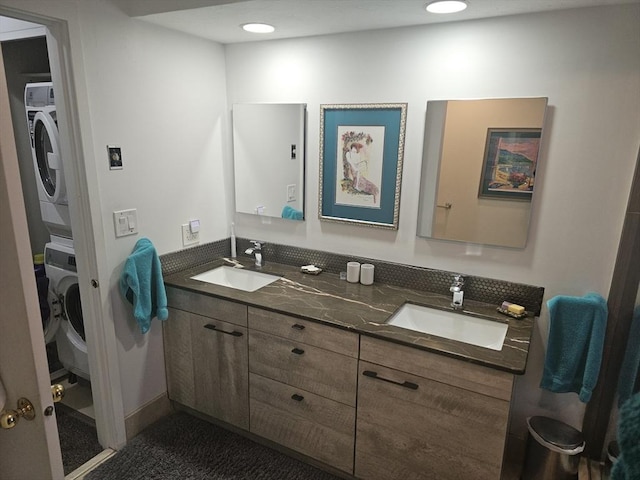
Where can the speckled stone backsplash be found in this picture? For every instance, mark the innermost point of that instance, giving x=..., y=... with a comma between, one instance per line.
x=482, y=289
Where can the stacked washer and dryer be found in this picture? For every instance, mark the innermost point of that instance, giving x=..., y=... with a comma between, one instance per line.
x=65, y=325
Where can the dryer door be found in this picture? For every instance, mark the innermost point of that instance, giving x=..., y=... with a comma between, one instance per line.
x=48, y=160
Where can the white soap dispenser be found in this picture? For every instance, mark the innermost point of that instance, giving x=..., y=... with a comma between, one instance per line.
x=233, y=241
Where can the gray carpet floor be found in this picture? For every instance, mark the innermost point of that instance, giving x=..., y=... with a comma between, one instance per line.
x=78, y=437
x=184, y=447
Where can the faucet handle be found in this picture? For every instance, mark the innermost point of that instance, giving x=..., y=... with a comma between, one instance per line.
x=257, y=243
x=457, y=284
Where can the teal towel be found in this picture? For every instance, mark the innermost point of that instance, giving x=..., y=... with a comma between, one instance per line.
x=141, y=283
x=627, y=467
x=291, y=213
x=631, y=363
x=576, y=340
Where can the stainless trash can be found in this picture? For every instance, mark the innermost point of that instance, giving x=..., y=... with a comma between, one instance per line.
x=553, y=450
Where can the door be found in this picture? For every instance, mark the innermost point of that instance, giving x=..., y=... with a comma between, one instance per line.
x=31, y=449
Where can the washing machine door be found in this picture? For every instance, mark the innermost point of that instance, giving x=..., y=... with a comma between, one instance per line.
x=71, y=340
x=47, y=157
x=72, y=311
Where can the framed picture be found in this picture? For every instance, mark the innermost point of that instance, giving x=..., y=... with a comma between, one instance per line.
x=361, y=153
x=510, y=161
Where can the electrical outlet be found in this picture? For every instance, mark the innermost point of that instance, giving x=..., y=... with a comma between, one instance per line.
x=189, y=237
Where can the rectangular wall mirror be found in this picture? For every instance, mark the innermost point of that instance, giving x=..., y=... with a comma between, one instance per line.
x=478, y=169
x=268, y=159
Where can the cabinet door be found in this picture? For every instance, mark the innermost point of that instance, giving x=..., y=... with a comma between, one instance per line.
x=410, y=427
x=221, y=370
x=178, y=357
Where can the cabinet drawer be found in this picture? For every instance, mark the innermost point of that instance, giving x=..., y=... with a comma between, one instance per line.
x=221, y=370
x=310, y=424
x=310, y=368
x=176, y=332
x=208, y=306
x=437, y=367
x=311, y=333
x=410, y=427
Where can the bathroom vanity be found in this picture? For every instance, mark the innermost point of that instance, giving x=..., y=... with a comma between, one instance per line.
x=309, y=362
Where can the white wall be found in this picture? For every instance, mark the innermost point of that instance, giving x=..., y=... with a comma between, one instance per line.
x=161, y=96
x=586, y=61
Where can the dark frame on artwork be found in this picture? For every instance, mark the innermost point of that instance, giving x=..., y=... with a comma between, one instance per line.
x=509, y=163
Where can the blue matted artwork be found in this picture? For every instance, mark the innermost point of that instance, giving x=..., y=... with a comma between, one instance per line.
x=361, y=154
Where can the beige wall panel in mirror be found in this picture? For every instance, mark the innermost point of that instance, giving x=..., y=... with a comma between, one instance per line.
x=478, y=169
x=268, y=159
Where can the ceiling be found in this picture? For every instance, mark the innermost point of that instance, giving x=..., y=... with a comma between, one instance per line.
x=220, y=20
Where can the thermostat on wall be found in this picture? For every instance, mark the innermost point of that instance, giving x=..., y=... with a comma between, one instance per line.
x=115, y=157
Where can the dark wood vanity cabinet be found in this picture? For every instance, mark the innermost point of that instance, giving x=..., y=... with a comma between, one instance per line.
x=374, y=409
x=206, y=356
x=423, y=415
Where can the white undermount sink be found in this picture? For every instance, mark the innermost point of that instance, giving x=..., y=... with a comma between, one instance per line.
x=247, y=280
x=451, y=325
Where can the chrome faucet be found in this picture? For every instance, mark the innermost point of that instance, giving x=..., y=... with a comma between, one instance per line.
x=256, y=251
x=457, y=290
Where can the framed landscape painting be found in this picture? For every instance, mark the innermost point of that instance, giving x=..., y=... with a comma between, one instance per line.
x=361, y=154
x=510, y=162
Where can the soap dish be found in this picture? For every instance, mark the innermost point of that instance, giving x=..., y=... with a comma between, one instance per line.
x=310, y=269
x=511, y=314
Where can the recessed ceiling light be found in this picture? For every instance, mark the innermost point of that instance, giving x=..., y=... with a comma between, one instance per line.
x=258, y=28
x=446, y=6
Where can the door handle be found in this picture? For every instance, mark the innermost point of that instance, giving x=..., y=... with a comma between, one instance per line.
x=234, y=333
x=9, y=418
x=409, y=385
x=57, y=392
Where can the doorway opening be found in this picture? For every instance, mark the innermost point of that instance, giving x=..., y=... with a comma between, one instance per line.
x=35, y=122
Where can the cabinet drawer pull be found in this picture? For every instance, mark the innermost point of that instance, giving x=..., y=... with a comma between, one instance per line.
x=297, y=326
x=235, y=333
x=410, y=385
x=296, y=397
x=297, y=351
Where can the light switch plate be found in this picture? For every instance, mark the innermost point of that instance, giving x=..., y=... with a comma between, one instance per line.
x=291, y=193
x=125, y=222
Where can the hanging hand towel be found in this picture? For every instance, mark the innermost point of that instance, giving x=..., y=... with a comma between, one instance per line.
x=627, y=384
x=576, y=340
x=142, y=285
x=291, y=213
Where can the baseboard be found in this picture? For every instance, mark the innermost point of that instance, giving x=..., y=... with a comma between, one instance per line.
x=146, y=415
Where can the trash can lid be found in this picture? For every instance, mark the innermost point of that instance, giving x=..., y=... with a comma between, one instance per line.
x=556, y=432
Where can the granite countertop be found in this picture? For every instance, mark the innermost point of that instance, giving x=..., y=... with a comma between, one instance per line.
x=327, y=299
